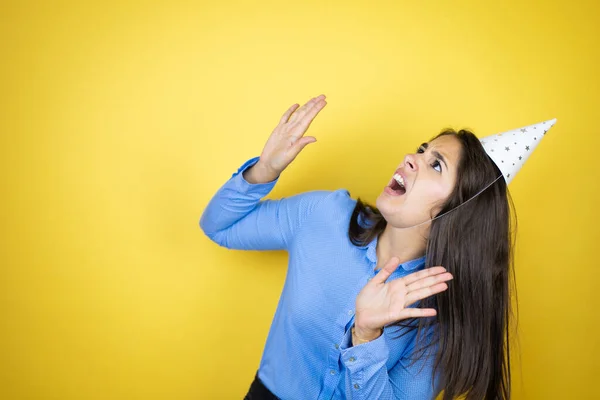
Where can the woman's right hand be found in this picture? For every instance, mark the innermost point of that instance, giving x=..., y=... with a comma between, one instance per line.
x=286, y=141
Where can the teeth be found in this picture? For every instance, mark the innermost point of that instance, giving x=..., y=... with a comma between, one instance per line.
x=399, y=179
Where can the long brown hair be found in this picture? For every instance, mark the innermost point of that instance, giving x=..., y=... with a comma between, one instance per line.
x=470, y=333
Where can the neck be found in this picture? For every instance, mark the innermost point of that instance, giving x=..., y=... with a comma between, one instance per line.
x=406, y=244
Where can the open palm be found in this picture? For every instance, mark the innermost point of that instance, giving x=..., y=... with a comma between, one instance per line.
x=287, y=139
x=379, y=303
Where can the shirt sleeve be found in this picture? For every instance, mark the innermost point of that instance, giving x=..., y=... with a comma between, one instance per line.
x=367, y=376
x=237, y=218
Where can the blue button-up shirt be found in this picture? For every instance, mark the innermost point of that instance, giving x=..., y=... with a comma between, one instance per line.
x=308, y=352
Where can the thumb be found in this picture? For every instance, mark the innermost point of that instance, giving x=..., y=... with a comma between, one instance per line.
x=302, y=142
x=386, y=271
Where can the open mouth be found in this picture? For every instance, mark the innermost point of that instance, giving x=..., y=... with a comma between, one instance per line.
x=396, y=187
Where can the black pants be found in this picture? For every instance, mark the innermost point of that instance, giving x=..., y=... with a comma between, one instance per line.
x=258, y=391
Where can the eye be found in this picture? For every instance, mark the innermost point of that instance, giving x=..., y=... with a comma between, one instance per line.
x=421, y=150
x=437, y=166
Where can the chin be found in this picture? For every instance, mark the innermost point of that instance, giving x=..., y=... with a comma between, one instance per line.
x=384, y=205
x=394, y=212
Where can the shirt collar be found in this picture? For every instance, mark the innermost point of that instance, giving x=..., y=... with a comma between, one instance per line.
x=371, y=255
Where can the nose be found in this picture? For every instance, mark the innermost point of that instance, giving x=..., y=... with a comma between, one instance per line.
x=410, y=162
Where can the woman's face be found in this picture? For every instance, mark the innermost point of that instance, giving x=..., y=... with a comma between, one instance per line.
x=421, y=183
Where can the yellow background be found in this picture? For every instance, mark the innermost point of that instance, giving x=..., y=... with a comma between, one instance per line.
x=120, y=119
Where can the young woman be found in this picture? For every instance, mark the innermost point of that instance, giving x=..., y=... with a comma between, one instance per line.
x=347, y=324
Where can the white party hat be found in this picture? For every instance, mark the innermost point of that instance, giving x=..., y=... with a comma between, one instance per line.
x=511, y=149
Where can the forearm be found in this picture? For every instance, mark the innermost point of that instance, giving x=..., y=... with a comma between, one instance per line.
x=235, y=199
x=366, y=372
x=368, y=375
x=237, y=217
x=259, y=173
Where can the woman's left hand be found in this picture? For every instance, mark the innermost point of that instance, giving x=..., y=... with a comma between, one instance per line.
x=379, y=303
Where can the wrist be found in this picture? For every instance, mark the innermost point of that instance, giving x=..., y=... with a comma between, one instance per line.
x=364, y=335
x=260, y=173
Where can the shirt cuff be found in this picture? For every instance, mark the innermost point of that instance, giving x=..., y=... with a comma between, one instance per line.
x=243, y=186
x=370, y=354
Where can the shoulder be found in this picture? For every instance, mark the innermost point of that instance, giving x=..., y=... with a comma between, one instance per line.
x=324, y=199
x=335, y=202
x=327, y=219
x=317, y=205
x=330, y=210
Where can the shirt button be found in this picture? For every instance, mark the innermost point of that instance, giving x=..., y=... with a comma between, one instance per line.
x=356, y=386
x=350, y=312
x=332, y=372
x=337, y=346
x=352, y=359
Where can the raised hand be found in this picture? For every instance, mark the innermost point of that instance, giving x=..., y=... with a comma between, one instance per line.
x=379, y=303
x=286, y=141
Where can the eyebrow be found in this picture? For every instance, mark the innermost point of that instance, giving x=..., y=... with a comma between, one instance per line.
x=436, y=154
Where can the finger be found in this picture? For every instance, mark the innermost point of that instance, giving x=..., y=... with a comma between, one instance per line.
x=301, y=143
x=429, y=281
x=304, y=121
x=286, y=115
x=387, y=270
x=425, y=292
x=414, y=313
x=415, y=276
x=301, y=112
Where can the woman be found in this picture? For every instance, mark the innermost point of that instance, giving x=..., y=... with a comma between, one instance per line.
x=347, y=325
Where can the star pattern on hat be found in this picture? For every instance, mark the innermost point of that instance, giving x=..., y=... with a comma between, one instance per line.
x=510, y=152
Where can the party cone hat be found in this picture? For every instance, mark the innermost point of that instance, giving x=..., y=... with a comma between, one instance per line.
x=511, y=149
